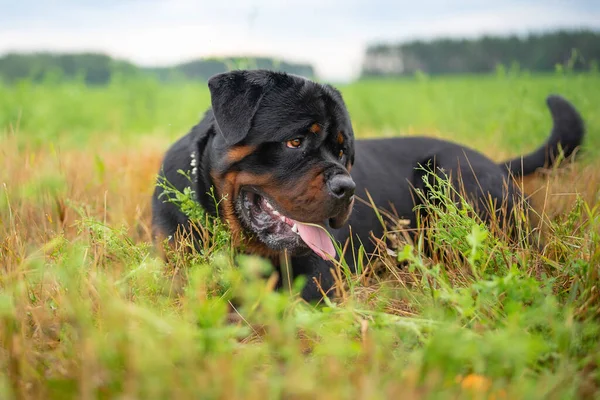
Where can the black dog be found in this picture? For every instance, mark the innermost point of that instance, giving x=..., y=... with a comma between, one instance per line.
x=279, y=149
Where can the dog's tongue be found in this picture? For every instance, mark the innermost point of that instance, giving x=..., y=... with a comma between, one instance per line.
x=317, y=239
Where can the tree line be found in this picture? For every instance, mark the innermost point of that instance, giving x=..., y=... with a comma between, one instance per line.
x=576, y=49
x=100, y=69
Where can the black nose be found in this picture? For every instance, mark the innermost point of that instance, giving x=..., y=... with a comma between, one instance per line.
x=341, y=186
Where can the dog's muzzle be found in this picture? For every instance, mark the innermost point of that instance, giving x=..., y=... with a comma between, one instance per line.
x=341, y=189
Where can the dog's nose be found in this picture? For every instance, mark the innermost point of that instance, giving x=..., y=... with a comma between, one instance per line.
x=341, y=186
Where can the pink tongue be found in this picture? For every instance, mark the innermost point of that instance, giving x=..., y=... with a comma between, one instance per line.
x=317, y=239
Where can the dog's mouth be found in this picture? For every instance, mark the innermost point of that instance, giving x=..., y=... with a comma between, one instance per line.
x=260, y=216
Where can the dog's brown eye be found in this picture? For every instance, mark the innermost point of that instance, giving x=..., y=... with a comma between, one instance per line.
x=294, y=143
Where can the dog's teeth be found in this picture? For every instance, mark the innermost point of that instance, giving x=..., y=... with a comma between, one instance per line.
x=295, y=228
x=276, y=213
x=269, y=206
x=281, y=217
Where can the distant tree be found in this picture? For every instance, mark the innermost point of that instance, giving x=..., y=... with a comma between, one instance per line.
x=205, y=68
x=99, y=69
x=579, y=49
x=91, y=68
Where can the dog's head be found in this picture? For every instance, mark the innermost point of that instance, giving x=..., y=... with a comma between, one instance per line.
x=283, y=152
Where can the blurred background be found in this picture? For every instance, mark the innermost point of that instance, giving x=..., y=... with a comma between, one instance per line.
x=332, y=40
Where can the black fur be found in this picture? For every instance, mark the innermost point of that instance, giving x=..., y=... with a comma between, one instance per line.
x=265, y=109
x=566, y=136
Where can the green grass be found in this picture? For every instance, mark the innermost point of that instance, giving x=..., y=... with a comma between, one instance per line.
x=89, y=310
x=508, y=110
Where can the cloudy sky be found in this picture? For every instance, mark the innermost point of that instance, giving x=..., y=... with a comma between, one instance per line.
x=330, y=34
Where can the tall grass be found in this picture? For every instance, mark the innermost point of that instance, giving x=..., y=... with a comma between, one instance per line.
x=89, y=310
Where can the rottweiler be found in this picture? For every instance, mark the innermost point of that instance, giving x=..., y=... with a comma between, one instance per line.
x=280, y=151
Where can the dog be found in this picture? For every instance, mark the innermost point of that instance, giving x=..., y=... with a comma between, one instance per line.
x=280, y=152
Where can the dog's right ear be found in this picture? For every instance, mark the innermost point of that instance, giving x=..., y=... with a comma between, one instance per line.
x=235, y=97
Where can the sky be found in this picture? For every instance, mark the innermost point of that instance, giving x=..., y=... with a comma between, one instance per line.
x=329, y=34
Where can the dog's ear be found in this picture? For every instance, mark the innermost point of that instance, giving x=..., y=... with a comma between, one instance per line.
x=235, y=97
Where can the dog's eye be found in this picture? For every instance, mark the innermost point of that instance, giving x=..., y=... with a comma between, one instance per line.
x=294, y=143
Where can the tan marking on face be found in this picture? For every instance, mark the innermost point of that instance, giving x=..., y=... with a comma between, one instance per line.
x=341, y=219
x=238, y=153
x=315, y=128
x=227, y=188
x=340, y=138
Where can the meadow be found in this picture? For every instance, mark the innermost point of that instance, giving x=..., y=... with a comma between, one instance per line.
x=88, y=309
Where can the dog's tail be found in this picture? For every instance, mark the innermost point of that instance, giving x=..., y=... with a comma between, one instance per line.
x=566, y=136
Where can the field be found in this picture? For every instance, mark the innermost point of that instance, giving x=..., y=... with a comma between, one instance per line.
x=88, y=309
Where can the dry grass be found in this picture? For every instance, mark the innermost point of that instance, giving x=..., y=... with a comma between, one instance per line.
x=114, y=187
x=118, y=192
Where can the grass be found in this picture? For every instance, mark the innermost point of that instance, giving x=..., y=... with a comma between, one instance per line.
x=89, y=310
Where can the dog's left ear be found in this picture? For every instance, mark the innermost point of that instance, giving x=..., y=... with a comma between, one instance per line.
x=235, y=97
